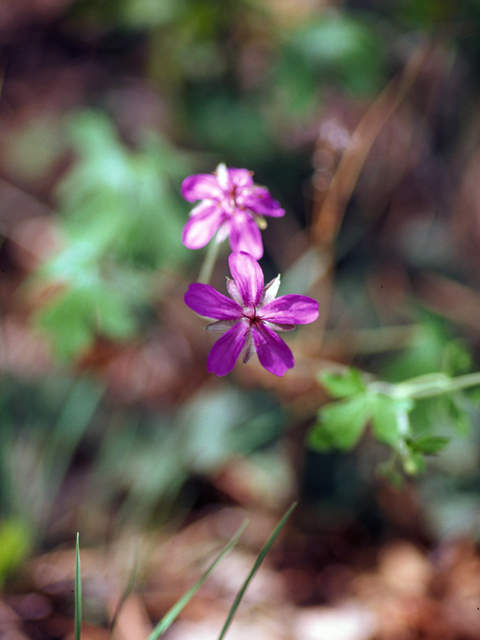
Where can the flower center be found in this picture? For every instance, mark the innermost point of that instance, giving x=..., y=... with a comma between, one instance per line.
x=235, y=197
x=252, y=317
x=233, y=200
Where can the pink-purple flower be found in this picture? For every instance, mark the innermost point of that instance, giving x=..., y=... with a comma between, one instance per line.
x=230, y=204
x=250, y=317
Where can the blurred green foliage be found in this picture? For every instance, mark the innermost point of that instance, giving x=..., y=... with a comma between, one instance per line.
x=131, y=14
x=435, y=348
x=15, y=545
x=413, y=413
x=330, y=50
x=339, y=49
x=120, y=200
x=138, y=462
x=122, y=220
x=342, y=423
x=39, y=440
x=149, y=460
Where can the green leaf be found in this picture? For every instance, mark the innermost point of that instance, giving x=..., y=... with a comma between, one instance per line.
x=118, y=200
x=319, y=439
x=341, y=424
x=75, y=316
x=260, y=558
x=472, y=396
x=343, y=385
x=457, y=407
x=386, y=417
x=457, y=359
x=445, y=411
x=432, y=350
x=428, y=445
x=64, y=319
x=111, y=315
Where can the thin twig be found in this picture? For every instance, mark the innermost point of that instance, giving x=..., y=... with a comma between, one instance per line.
x=329, y=208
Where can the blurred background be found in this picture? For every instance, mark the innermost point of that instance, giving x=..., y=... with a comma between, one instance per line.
x=362, y=117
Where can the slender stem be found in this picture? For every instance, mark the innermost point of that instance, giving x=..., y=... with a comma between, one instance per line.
x=436, y=384
x=209, y=262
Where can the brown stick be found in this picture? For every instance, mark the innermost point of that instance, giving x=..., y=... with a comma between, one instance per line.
x=329, y=208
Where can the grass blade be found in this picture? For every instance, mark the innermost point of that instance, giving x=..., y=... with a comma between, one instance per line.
x=78, y=593
x=170, y=616
x=260, y=558
x=126, y=592
x=72, y=423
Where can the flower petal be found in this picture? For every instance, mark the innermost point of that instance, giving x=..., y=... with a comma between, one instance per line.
x=241, y=178
x=260, y=202
x=248, y=349
x=222, y=175
x=245, y=235
x=234, y=291
x=277, y=327
x=221, y=325
x=248, y=277
x=201, y=186
x=206, y=218
x=274, y=355
x=224, y=231
x=225, y=351
x=290, y=309
x=208, y=302
x=270, y=290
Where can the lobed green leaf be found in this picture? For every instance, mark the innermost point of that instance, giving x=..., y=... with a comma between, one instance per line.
x=386, y=417
x=341, y=424
x=343, y=385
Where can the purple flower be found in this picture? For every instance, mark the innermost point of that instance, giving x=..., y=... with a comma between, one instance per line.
x=232, y=205
x=250, y=317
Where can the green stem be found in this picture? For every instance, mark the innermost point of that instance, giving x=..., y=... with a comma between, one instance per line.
x=209, y=262
x=435, y=384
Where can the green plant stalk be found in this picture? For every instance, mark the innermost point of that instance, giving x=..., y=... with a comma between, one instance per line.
x=434, y=384
x=209, y=262
x=170, y=616
x=260, y=558
x=78, y=592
